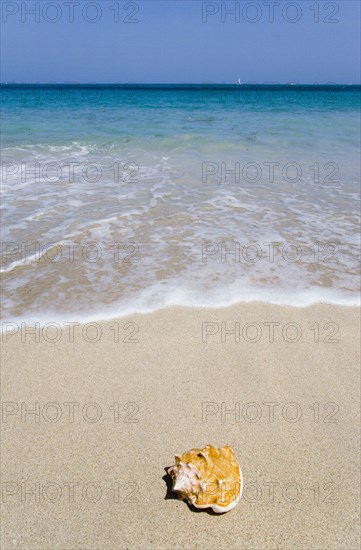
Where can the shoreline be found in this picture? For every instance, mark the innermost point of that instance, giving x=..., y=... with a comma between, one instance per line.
x=103, y=317
x=94, y=422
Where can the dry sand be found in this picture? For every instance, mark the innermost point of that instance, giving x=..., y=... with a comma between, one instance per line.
x=98, y=482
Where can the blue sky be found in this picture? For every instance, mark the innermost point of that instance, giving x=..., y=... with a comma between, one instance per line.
x=150, y=41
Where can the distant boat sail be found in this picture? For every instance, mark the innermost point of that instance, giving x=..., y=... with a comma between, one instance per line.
x=239, y=82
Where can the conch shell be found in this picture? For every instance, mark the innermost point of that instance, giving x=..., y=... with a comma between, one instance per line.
x=208, y=478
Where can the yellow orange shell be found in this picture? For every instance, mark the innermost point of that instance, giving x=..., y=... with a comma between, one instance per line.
x=208, y=478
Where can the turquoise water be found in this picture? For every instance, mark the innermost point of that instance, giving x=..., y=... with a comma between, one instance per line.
x=129, y=198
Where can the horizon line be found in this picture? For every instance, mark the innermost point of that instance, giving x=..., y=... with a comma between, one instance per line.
x=183, y=83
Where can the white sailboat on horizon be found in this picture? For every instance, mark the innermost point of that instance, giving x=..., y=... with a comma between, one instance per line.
x=239, y=83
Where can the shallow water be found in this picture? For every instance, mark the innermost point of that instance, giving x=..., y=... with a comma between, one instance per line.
x=120, y=199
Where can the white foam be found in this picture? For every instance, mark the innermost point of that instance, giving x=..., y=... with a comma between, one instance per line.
x=173, y=212
x=155, y=299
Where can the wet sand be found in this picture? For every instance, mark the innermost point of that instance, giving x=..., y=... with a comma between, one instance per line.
x=85, y=469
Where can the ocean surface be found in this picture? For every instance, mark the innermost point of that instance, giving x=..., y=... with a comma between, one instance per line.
x=120, y=199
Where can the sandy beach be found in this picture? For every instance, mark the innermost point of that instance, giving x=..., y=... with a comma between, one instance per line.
x=180, y=275
x=89, y=426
